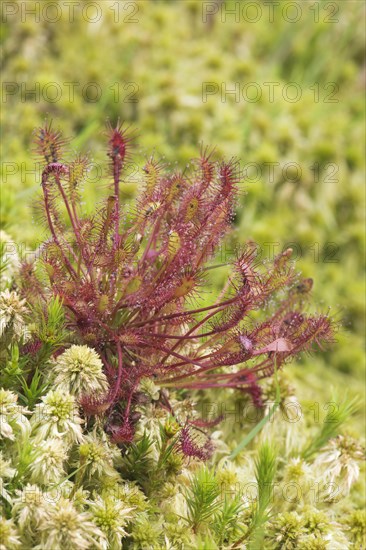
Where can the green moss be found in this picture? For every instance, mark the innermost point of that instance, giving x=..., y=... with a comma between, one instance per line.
x=167, y=56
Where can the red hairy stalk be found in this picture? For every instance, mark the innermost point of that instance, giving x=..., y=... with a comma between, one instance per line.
x=132, y=283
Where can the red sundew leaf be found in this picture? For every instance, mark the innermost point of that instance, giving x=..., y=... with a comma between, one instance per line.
x=190, y=448
x=121, y=434
x=119, y=140
x=95, y=405
x=49, y=144
x=200, y=423
x=32, y=347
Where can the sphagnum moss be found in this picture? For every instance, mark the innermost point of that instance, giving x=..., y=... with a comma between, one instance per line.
x=79, y=370
x=91, y=494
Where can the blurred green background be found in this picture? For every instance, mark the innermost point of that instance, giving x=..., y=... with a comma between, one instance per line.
x=280, y=85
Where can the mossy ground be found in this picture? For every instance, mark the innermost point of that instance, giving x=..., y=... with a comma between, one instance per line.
x=152, y=68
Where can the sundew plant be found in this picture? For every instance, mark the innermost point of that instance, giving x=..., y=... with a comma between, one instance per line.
x=130, y=283
x=110, y=346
